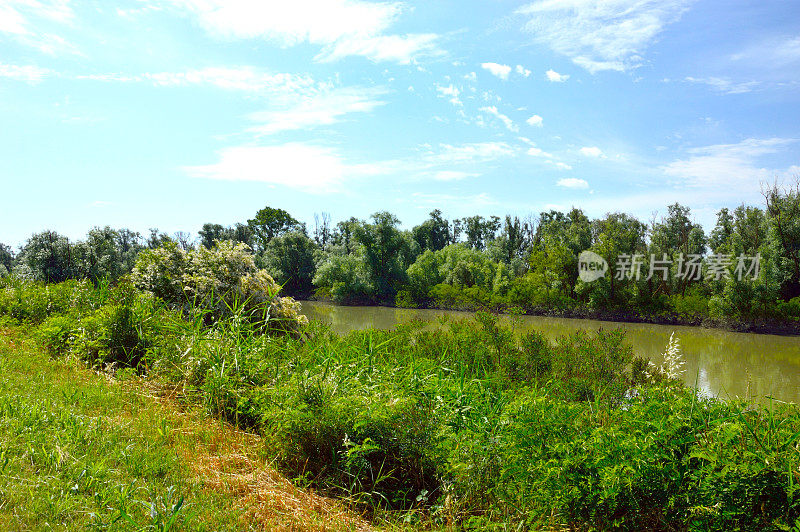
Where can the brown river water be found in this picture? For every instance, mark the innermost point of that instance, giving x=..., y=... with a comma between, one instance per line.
x=721, y=363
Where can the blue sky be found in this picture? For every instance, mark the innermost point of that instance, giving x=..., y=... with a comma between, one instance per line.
x=173, y=113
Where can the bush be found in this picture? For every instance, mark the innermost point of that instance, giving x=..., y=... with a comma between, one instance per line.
x=121, y=331
x=347, y=277
x=692, y=306
x=218, y=282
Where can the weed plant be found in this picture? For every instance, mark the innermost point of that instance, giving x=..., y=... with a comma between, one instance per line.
x=463, y=424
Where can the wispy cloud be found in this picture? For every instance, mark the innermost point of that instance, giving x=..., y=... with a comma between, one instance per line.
x=725, y=85
x=447, y=175
x=402, y=49
x=492, y=110
x=324, y=108
x=23, y=21
x=342, y=27
x=26, y=73
x=234, y=78
x=608, y=35
x=469, y=153
x=466, y=202
x=728, y=166
x=776, y=52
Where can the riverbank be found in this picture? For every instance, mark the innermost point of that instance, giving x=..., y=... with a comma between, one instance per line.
x=778, y=328
x=467, y=425
x=84, y=449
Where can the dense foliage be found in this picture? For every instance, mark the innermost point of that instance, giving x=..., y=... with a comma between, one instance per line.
x=465, y=423
x=668, y=268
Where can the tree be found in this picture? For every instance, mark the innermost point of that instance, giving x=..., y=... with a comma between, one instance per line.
x=47, y=256
x=184, y=240
x=558, y=241
x=345, y=234
x=322, y=229
x=783, y=209
x=480, y=231
x=513, y=241
x=157, y=239
x=212, y=232
x=6, y=259
x=269, y=223
x=129, y=245
x=290, y=260
x=721, y=234
x=347, y=277
x=433, y=233
x=100, y=255
x=383, y=247
x=616, y=235
x=671, y=237
x=424, y=274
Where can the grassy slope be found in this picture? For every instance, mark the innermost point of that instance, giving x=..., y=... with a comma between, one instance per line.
x=79, y=450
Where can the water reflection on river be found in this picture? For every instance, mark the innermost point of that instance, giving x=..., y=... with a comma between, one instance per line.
x=722, y=363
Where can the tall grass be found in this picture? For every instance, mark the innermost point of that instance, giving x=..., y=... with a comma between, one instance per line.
x=467, y=423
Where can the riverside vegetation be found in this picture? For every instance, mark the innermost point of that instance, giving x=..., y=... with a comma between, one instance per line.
x=466, y=425
x=482, y=263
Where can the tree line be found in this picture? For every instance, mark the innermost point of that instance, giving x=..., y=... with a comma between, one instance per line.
x=479, y=262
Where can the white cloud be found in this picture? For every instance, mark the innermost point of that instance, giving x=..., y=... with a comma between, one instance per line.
x=535, y=121
x=492, y=110
x=468, y=203
x=522, y=71
x=26, y=73
x=12, y=21
x=342, y=27
x=325, y=108
x=537, y=152
x=726, y=85
x=449, y=175
x=233, y=78
x=572, y=182
x=471, y=76
x=23, y=20
x=470, y=153
x=728, y=166
x=562, y=166
x=241, y=78
x=592, y=151
x=774, y=53
x=554, y=76
x=402, y=49
x=608, y=35
x=307, y=167
x=501, y=71
x=450, y=92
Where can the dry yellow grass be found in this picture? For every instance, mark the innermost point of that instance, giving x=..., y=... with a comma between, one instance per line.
x=227, y=460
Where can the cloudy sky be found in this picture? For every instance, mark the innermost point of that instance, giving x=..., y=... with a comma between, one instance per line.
x=172, y=113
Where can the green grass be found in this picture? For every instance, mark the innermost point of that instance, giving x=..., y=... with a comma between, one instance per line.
x=79, y=450
x=466, y=425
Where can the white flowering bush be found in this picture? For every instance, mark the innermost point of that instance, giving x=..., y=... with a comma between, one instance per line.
x=219, y=282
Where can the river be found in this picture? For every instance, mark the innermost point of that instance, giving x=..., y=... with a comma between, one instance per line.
x=722, y=363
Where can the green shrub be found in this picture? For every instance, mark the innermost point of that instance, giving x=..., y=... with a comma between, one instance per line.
x=121, y=331
x=693, y=305
x=404, y=299
x=217, y=282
